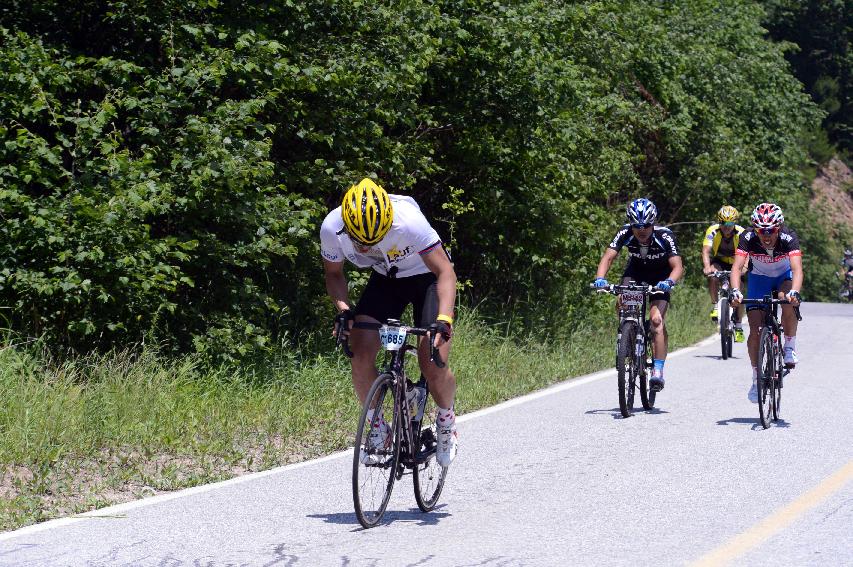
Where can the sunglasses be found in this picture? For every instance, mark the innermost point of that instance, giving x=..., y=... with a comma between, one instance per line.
x=728, y=223
x=642, y=225
x=766, y=231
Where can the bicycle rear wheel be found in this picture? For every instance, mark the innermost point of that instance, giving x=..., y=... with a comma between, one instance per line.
x=626, y=367
x=374, y=464
x=725, y=328
x=766, y=377
x=647, y=396
x=428, y=476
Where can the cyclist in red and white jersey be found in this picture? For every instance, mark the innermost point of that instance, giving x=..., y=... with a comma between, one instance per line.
x=390, y=234
x=777, y=265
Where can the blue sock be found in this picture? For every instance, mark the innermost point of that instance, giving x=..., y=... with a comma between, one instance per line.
x=659, y=364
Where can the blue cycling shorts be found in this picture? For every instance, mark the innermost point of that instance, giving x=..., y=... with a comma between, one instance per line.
x=759, y=286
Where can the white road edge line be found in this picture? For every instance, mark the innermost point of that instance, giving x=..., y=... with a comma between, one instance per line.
x=110, y=512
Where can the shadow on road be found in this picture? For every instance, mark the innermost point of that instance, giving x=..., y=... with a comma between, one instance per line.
x=715, y=356
x=753, y=421
x=410, y=515
x=616, y=414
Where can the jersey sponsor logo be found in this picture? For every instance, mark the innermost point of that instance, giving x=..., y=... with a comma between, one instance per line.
x=396, y=255
x=668, y=237
x=329, y=256
x=647, y=256
x=768, y=258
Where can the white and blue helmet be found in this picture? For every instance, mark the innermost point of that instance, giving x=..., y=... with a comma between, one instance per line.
x=641, y=211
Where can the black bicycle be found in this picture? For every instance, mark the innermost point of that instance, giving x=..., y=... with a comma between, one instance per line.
x=845, y=292
x=384, y=449
x=771, y=361
x=634, y=356
x=727, y=328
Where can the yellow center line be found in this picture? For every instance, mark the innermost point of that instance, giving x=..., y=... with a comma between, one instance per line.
x=778, y=520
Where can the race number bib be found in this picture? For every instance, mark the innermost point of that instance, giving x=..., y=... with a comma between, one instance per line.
x=632, y=298
x=392, y=338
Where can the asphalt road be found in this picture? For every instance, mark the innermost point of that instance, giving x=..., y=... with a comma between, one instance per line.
x=555, y=477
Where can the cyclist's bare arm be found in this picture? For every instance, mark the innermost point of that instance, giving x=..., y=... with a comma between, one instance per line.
x=677, y=268
x=797, y=278
x=734, y=277
x=706, y=260
x=606, y=261
x=439, y=264
x=336, y=284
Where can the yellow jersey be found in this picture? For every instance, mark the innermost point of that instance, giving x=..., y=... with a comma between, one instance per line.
x=722, y=248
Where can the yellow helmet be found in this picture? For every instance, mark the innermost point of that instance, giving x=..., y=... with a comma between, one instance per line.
x=727, y=214
x=367, y=212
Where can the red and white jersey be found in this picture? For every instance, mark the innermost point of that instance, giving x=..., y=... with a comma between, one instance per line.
x=398, y=254
x=774, y=262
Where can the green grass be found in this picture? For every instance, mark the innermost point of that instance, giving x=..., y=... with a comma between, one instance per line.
x=92, y=431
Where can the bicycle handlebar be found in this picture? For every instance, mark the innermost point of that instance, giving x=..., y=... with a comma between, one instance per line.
x=342, y=339
x=720, y=274
x=617, y=288
x=768, y=301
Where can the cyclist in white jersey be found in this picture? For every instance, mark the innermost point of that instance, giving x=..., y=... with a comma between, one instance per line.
x=390, y=234
x=777, y=266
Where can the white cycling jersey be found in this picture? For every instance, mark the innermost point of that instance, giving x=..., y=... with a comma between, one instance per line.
x=410, y=237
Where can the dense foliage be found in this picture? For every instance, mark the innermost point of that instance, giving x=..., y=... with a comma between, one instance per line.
x=165, y=165
x=820, y=32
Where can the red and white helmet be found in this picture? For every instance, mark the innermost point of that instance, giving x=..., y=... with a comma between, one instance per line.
x=767, y=215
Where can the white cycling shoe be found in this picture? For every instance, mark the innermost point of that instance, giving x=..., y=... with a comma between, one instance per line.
x=448, y=440
x=791, y=358
x=753, y=393
x=378, y=443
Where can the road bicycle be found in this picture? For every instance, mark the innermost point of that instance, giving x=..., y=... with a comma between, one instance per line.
x=634, y=357
x=771, y=364
x=727, y=328
x=845, y=292
x=411, y=439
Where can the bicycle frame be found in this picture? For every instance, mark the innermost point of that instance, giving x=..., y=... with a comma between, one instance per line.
x=395, y=363
x=633, y=308
x=770, y=379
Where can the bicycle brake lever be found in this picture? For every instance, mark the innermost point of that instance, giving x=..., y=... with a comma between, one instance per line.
x=434, y=356
x=342, y=340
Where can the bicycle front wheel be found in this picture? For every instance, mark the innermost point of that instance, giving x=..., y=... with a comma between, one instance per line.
x=725, y=328
x=777, y=386
x=626, y=367
x=766, y=377
x=376, y=452
x=428, y=476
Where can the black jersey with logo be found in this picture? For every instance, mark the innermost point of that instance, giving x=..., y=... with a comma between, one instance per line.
x=650, y=258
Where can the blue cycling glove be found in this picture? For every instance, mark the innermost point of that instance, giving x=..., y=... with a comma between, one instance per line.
x=599, y=283
x=665, y=285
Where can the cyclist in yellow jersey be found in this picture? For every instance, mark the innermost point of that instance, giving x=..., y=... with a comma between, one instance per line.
x=718, y=251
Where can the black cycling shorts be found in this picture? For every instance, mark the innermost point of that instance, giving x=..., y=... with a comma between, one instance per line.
x=386, y=298
x=648, y=278
x=721, y=265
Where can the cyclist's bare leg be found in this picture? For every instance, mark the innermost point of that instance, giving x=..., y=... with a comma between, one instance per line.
x=657, y=326
x=755, y=318
x=713, y=287
x=789, y=318
x=364, y=344
x=442, y=382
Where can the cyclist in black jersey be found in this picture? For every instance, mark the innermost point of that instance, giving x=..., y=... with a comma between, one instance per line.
x=653, y=259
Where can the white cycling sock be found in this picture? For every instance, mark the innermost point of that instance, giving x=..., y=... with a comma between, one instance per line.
x=370, y=413
x=445, y=416
x=791, y=342
x=754, y=373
